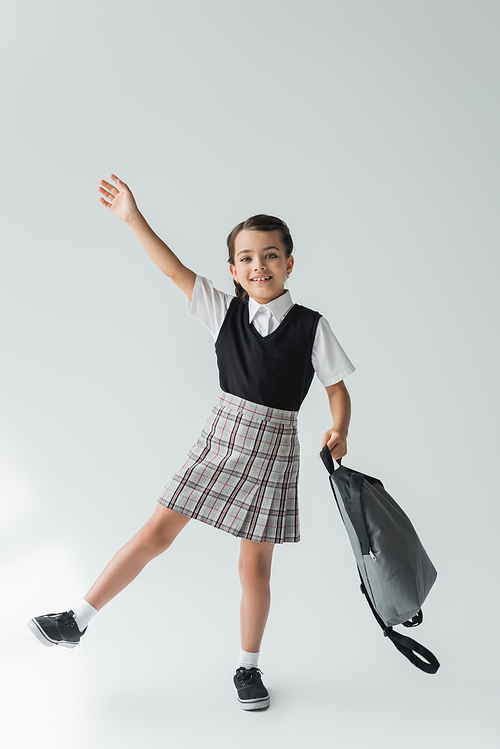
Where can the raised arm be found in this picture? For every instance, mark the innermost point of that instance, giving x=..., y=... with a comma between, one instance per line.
x=120, y=201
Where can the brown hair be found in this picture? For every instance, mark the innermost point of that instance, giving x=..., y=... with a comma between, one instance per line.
x=260, y=222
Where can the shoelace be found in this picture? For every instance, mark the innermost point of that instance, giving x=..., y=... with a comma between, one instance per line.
x=66, y=619
x=249, y=677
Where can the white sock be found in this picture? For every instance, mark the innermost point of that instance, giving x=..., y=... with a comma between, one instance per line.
x=83, y=613
x=248, y=660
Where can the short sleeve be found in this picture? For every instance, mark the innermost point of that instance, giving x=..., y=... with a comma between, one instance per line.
x=208, y=305
x=329, y=359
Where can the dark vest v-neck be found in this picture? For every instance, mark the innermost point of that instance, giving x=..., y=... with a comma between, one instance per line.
x=274, y=370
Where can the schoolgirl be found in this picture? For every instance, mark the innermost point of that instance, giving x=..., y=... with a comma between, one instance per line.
x=241, y=475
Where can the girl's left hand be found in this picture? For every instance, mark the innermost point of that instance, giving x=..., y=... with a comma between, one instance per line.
x=337, y=443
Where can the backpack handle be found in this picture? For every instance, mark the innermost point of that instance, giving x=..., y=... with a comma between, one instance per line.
x=327, y=459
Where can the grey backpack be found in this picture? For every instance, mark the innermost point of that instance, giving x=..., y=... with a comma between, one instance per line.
x=396, y=573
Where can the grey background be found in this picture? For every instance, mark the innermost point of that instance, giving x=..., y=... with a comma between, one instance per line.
x=372, y=129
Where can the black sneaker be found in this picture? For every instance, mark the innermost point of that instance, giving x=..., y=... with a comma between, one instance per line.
x=56, y=629
x=252, y=694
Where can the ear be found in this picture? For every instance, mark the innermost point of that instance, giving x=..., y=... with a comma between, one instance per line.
x=289, y=264
x=232, y=268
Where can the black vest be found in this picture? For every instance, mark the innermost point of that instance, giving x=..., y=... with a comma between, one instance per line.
x=274, y=370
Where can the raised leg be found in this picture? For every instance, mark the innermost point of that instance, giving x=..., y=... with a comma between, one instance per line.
x=149, y=542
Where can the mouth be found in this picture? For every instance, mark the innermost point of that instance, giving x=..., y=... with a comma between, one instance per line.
x=261, y=279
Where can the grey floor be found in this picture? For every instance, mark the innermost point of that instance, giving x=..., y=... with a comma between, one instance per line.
x=156, y=665
x=117, y=696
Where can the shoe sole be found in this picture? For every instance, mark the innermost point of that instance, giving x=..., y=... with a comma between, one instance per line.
x=44, y=639
x=254, y=704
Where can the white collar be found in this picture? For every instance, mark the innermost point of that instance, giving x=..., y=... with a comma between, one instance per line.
x=278, y=307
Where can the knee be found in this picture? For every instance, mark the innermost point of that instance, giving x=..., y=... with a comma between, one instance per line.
x=155, y=538
x=254, y=573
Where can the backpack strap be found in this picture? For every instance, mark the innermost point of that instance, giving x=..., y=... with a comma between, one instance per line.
x=414, y=651
x=327, y=459
x=415, y=620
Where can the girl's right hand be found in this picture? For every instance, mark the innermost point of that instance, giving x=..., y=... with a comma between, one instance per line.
x=119, y=200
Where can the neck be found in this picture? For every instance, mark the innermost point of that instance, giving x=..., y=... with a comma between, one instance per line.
x=271, y=299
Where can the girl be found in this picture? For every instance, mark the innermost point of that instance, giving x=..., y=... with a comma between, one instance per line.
x=241, y=476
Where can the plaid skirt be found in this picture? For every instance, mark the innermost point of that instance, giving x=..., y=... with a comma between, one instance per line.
x=241, y=475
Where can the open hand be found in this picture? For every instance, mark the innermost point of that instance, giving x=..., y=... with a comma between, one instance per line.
x=119, y=200
x=337, y=443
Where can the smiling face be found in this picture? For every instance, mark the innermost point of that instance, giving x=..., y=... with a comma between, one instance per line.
x=260, y=264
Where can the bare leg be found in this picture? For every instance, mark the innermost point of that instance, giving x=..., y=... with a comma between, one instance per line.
x=150, y=541
x=255, y=572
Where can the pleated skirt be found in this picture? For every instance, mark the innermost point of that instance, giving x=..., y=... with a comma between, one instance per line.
x=241, y=475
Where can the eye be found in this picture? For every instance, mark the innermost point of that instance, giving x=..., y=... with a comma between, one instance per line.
x=245, y=259
x=271, y=254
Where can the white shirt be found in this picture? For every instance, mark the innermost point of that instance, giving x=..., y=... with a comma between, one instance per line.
x=210, y=305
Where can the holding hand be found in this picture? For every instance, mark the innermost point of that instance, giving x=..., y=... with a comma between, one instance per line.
x=337, y=443
x=119, y=200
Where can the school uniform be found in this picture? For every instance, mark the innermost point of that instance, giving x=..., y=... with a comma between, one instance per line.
x=241, y=475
